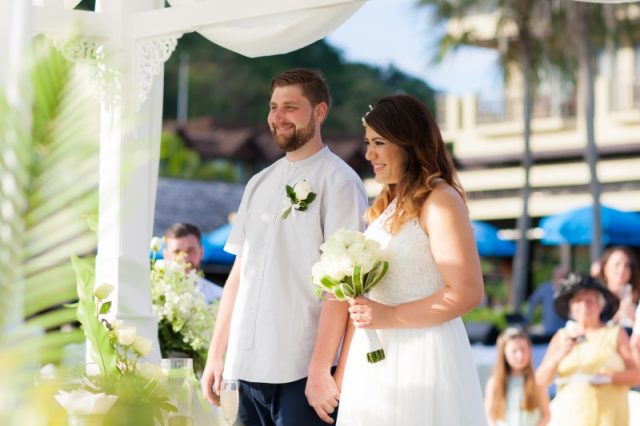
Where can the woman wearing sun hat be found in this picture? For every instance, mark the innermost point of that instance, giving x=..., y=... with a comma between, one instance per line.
x=592, y=361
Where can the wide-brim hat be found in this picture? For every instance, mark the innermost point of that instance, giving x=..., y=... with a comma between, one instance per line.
x=575, y=283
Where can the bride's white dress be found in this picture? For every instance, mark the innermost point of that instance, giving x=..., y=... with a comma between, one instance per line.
x=428, y=377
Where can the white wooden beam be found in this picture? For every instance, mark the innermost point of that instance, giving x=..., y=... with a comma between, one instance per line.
x=59, y=22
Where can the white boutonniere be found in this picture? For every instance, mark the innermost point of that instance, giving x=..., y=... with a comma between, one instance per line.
x=300, y=196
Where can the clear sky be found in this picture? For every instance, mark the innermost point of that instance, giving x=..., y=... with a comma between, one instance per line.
x=394, y=31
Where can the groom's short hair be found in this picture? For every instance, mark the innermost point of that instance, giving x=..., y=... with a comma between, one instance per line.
x=314, y=86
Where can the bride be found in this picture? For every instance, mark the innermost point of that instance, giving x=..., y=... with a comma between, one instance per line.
x=421, y=220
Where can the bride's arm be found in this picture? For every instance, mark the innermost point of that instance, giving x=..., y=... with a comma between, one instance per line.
x=445, y=219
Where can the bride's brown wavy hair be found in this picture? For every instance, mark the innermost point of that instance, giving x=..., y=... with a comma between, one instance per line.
x=406, y=122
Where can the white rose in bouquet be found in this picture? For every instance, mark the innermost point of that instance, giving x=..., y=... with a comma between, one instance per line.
x=350, y=265
x=345, y=238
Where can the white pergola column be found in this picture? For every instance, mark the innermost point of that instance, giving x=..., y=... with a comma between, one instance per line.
x=129, y=156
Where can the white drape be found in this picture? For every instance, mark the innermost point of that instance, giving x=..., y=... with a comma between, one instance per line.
x=290, y=25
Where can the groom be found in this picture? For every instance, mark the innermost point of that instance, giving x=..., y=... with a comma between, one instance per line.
x=280, y=341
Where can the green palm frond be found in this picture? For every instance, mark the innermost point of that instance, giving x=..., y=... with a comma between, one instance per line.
x=48, y=180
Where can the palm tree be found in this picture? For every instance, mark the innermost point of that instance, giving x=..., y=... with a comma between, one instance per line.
x=48, y=170
x=523, y=48
x=580, y=21
x=577, y=28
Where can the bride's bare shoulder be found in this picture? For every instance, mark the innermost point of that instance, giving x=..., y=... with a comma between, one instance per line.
x=443, y=204
x=442, y=196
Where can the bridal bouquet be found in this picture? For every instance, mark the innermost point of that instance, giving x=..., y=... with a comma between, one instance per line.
x=185, y=320
x=350, y=266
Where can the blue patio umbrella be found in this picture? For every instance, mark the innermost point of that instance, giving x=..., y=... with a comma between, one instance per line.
x=574, y=227
x=213, y=244
x=489, y=243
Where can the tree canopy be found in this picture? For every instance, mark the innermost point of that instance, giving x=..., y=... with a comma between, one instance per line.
x=234, y=88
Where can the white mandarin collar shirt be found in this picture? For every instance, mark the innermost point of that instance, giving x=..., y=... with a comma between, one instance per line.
x=275, y=316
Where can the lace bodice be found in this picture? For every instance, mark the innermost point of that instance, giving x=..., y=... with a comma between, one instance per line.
x=413, y=273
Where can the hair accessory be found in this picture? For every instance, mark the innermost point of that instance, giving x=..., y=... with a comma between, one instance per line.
x=364, y=122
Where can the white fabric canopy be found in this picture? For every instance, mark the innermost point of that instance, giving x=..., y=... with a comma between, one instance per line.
x=291, y=25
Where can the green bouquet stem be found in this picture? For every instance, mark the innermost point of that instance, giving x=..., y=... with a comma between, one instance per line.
x=376, y=353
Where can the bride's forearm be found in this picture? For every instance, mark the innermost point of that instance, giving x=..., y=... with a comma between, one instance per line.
x=440, y=307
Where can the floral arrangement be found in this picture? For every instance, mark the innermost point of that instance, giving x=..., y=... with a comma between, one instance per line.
x=350, y=266
x=299, y=197
x=185, y=320
x=137, y=388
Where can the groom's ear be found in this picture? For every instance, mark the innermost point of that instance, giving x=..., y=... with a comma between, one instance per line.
x=321, y=111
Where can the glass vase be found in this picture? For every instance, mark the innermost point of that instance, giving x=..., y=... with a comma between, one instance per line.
x=179, y=377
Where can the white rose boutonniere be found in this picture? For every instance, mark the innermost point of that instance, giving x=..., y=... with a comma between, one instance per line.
x=300, y=196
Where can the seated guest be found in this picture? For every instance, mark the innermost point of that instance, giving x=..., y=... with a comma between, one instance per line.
x=591, y=360
x=182, y=240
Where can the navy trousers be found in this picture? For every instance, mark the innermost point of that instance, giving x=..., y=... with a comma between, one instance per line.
x=283, y=404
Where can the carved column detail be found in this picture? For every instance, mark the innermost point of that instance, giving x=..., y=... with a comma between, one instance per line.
x=152, y=55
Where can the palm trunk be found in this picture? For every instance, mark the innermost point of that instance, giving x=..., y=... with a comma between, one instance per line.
x=591, y=154
x=521, y=258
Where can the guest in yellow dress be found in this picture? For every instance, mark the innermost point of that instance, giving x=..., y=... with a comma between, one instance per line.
x=592, y=361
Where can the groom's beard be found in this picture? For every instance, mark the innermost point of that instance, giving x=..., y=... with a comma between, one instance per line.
x=298, y=138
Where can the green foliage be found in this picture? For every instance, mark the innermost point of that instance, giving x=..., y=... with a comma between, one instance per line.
x=487, y=315
x=495, y=283
x=233, y=88
x=218, y=170
x=172, y=342
x=49, y=169
x=103, y=353
x=178, y=160
x=140, y=401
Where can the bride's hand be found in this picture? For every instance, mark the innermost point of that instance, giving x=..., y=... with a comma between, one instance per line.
x=365, y=313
